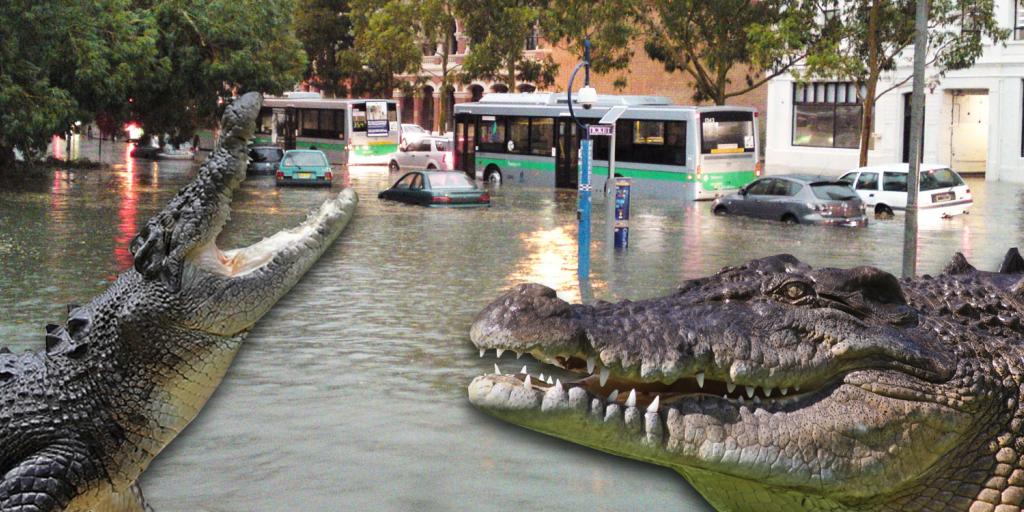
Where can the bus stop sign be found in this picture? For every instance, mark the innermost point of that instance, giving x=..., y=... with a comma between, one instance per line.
x=601, y=130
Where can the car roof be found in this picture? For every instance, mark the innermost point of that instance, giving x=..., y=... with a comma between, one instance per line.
x=900, y=167
x=805, y=178
x=304, y=151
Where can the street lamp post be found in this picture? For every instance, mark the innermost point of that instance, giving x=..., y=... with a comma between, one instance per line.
x=587, y=98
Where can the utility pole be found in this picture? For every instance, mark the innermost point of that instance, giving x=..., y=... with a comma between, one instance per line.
x=916, y=133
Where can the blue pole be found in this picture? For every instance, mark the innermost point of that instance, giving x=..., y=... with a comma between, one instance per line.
x=584, y=208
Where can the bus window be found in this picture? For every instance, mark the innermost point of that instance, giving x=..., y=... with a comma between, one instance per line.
x=542, y=135
x=727, y=132
x=492, y=134
x=519, y=135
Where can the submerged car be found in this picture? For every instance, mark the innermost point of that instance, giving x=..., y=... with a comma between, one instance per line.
x=144, y=151
x=439, y=188
x=264, y=159
x=884, y=189
x=304, y=167
x=796, y=199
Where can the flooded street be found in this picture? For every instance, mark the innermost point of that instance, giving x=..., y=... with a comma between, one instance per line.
x=351, y=393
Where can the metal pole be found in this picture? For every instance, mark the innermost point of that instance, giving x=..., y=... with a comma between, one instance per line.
x=609, y=200
x=584, y=182
x=916, y=133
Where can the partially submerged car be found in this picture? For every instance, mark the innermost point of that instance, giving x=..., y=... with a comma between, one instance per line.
x=428, y=188
x=884, y=189
x=304, y=167
x=427, y=153
x=796, y=199
x=264, y=159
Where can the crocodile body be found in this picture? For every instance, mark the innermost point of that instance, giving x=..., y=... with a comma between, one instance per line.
x=126, y=372
x=776, y=386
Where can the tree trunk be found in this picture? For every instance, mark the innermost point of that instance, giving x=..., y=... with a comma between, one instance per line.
x=512, y=75
x=867, y=120
x=6, y=157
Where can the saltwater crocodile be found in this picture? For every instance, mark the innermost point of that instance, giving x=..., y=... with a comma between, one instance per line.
x=775, y=386
x=80, y=421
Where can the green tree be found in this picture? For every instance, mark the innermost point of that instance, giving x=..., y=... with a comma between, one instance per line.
x=611, y=25
x=63, y=61
x=384, y=45
x=498, y=30
x=707, y=40
x=210, y=50
x=876, y=35
x=436, y=19
x=325, y=29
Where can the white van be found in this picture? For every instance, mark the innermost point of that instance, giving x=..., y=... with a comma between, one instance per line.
x=431, y=153
x=883, y=188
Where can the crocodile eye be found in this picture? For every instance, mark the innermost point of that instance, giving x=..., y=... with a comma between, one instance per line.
x=795, y=291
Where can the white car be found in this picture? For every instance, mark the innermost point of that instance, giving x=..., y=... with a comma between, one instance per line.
x=411, y=133
x=432, y=153
x=883, y=188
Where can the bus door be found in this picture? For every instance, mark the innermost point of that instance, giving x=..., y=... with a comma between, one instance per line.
x=291, y=126
x=566, y=153
x=465, y=144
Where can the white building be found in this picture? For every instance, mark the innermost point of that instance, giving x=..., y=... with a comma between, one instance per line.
x=974, y=118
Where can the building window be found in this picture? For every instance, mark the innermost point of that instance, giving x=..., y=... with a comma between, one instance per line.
x=531, y=40
x=1018, y=19
x=827, y=115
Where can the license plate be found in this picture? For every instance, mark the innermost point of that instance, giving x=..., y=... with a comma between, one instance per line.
x=945, y=196
x=305, y=175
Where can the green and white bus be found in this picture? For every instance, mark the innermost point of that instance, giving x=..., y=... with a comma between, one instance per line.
x=349, y=131
x=669, y=150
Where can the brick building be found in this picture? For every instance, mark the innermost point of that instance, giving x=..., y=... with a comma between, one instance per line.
x=645, y=77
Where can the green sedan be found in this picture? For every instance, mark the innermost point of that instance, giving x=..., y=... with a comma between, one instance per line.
x=441, y=188
x=304, y=167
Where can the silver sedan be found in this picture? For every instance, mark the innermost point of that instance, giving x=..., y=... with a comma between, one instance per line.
x=796, y=199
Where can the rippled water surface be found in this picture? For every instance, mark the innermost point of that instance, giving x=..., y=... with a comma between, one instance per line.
x=351, y=393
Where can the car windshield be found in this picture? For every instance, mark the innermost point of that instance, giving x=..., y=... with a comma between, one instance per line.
x=939, y=178
x=266, y=154
x=833, y=191
x=451, y=180
x=305, y=159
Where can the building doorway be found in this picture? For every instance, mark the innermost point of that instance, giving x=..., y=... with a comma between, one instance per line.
x=907, y=99
x=427, y=108
x=968, y=129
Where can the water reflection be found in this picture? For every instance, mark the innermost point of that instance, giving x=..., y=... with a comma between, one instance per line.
x=127, y=212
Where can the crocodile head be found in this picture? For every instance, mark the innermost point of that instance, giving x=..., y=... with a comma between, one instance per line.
x=225, y=292
x=775, y=386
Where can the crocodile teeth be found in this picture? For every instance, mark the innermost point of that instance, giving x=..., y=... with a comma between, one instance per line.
x=527, y=384
x=614, y=395
x=523, y=371
x=796, y=388
x=541, y=377
x=768, y=392
x=548, y=380
x=483, y=351
x=783, y=391
x=700, y=380
x=497, y=371
x=591, y=363
x=730, y=387
x=750, y=391
x=757, y=399
x=604, y=376
x=655, y=404
x=558, y=384
x=740, y=400
x=631, y=401
x=500, y=351
x=519, y=354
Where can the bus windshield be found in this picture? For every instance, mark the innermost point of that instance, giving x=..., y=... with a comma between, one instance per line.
x=727, y=132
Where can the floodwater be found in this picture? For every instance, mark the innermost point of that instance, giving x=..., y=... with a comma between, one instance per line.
x=351, y=393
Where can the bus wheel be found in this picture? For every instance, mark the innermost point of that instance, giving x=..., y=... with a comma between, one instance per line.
x=883, y=211
x=492, y=175
x=721, y=210
x=393, y=166
x=789, y=219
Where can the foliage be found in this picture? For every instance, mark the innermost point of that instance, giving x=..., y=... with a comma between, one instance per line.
x=62, y=61
x=207, y=52
x=611, y=25
x=874, y=36
x=498, y=30
x=436, y=26
x=709, y=40
x=324, y=29
x=384, y=45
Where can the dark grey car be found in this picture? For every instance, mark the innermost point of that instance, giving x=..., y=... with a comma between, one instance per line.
x=264, y=159
x=796, y=199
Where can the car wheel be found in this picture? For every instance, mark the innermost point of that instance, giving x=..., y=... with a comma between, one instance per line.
x=883, y=211
x=393, y=166
x=721, y=210
x=789, y=218
x=492, y=175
